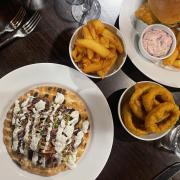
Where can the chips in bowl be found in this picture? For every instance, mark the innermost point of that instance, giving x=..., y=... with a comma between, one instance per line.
x=97, y=49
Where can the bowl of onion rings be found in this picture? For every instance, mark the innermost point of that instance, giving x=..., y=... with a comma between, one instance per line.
x=147, y=111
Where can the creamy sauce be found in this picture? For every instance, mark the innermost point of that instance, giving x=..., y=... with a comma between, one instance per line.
x=35, y=158
x=17, y=107
x=60, y=140
x=56, y=106
x=78, y=139
x=35, y=140
x=40, y=105
x=35, y=136
x=15, y=144
x=43, y=162
x=69, y=131
x=63, y=123
x=48, y=136
x=71, y=163
x=51, y=124
x=25, y=103
x=85, y=126
x=21, y=149
x=26, y=136
x=59, y=98
x=17, y=129
x=75, y=114
x=58, y=157
x=157, y=42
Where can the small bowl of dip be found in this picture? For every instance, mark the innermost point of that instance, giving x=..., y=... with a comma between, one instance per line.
x=157, y=42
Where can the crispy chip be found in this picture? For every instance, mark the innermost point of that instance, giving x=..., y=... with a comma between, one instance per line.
x=96, y=49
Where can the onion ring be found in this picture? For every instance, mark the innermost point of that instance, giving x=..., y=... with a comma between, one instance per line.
x=157, y=120
x=144, y=84
x=131, y=122
x=135, y=100
x=149, y=98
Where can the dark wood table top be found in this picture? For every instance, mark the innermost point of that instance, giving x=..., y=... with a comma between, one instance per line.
x=130, y=158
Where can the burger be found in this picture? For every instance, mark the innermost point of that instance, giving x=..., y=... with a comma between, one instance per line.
x=166, y=11
x=160, y=11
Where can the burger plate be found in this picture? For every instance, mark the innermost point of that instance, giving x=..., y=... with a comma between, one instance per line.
x=155, y=72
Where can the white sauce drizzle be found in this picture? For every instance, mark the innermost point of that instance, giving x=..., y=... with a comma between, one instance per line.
x=60, y=115
x=16, y=107
x=15, y=111
x=73, y=122
x=78, y=139
x=21, y=149
x=35, y=140
x=71, y=163
x=75, y=114
x=13, y=120
x=85, y=126
x=35, y=136
x=59, y=98
x=28, y=100
x=40, y=105
x=58, y=157
x=51, y=125
x=60, y=142
x=63, y=123
x=15, y=135
x=68, y=130
x=25, y=110
x=35, y=158
x=27, y=128
x=69, y=141
x=43, y=162
x=48, y=136
x=55, y=109
x=15, y=145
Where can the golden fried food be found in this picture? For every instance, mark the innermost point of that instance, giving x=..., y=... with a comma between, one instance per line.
x=94, y=46
x=113, y=39
x=107, y=66
x=155, y=121
x=150, y=109
x=176, y=63
x=96, y=49
x=131, y=122
x=161, y=93
x=144, y=13
x=178, y=37
x=170, y=60
x=135, y=100
x=93, y=67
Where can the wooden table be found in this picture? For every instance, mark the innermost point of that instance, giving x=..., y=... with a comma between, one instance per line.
x=130, y=158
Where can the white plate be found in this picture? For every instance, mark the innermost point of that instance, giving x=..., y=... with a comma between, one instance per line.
x=153, y=71
x=99, y=148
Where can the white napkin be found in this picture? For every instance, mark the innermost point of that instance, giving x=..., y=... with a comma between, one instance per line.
x=110, y=10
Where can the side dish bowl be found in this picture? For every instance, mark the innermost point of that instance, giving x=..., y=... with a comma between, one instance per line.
x=120, y=59
x=125, y=97
x=162, y=28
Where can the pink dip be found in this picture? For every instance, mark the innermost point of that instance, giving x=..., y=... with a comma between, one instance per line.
x=157, y=42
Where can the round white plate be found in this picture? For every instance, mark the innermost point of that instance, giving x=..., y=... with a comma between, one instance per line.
x=153, y=71
x=99, y=147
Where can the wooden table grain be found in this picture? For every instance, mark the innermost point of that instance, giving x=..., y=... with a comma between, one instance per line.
x=130, y=159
